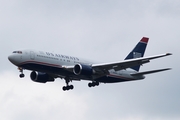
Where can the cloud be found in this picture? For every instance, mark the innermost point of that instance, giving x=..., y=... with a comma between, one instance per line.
x=102, y=31
x=24, y=99
x=147, y=99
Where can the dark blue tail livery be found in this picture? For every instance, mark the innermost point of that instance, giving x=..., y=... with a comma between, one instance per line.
x=138, y=51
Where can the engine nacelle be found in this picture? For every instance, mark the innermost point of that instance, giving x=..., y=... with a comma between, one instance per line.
x=41, y=77
x=80, y=69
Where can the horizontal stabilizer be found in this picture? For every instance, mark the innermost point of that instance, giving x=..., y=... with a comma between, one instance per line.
x=150, y=72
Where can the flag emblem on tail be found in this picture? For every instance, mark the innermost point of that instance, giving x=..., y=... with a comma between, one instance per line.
x=137, y=55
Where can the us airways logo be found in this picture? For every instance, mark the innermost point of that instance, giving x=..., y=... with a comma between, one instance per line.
x=137, y=55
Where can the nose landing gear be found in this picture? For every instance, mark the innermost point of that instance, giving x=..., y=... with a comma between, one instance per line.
x=22, y=74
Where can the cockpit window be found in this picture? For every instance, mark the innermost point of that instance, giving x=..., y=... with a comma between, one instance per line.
x=19, y=52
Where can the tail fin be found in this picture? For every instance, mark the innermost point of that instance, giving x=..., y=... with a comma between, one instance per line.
x=138, y=51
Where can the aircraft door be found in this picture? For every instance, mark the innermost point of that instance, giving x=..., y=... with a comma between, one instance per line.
x=32, y=55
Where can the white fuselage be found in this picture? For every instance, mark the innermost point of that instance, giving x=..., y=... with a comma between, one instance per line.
x=55, y=64
x=47, y=66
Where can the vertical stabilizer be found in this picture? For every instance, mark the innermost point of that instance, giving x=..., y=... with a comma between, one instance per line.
x=138, y=51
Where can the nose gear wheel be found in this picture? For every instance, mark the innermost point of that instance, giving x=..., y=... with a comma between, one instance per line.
x=21, y=71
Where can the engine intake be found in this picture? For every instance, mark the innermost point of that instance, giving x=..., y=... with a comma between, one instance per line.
x=80, y=69
x=41, y=77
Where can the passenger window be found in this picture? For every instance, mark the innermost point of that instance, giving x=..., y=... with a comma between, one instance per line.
x=19, y=52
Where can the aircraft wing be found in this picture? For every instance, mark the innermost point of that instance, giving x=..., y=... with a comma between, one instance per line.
x=105, y=67
x=126, y=63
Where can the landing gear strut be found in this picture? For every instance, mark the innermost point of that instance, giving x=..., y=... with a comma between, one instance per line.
x=67, y=87
x=21, y=70
x=93, y=84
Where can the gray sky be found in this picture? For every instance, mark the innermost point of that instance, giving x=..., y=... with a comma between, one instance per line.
x=98, y=30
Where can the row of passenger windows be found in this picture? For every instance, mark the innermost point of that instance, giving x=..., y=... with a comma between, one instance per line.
x=53, y=58
x=62, y=56
x=48, y=57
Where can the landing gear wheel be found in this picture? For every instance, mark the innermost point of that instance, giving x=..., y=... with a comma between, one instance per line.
x=21, y=75
x=64, y=88
x=97, y=83
x=69, y=87
x=93, y=84
x=90, y=84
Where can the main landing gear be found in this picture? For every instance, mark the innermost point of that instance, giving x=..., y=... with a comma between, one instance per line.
x=22, y=74
x=93, y=84
x=67, y=87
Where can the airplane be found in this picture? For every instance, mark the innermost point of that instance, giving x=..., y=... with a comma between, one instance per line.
x=47, y=66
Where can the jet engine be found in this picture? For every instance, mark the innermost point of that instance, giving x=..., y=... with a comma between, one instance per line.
x=80, y=69
x=41, y=77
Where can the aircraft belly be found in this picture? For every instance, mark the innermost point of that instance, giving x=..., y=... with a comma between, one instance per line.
x=53, y=70
x=45, y=68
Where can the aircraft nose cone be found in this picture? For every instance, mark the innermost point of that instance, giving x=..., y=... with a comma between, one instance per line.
x=10, y=58
x=13, y=59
